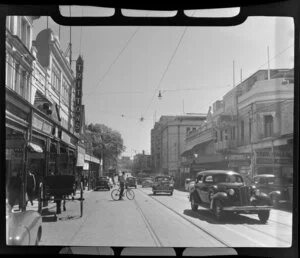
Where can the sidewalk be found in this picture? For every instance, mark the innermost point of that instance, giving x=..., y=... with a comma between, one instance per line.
x=51, y=204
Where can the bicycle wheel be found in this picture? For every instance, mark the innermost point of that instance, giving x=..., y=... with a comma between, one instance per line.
x=130, y=194
x=115, y=194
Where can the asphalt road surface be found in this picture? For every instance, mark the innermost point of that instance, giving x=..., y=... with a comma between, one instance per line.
x=159, y=221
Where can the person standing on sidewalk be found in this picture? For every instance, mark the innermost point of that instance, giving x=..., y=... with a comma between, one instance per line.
x=31, y=185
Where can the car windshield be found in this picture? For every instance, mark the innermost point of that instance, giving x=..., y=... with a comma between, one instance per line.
x=159, y=179
x=223, y=178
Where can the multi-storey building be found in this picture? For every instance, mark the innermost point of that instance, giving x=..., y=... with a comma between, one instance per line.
x=168, y=139
x=251, y=129
x=39, y=103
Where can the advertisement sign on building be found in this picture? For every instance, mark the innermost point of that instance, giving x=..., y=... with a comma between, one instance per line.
x=78, y=94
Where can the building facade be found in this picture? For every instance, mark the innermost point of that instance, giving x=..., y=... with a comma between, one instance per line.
x=250, y=130
x=168, y=141
x=40, y=98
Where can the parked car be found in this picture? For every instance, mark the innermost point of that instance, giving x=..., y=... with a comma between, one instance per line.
x=147, y=182
x=131, y=181
x=278, y=189
x=163, y=184
x=226, y=192
x=23, y=227
x=103, y=182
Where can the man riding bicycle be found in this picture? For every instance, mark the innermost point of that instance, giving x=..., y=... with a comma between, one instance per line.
x=122, y=181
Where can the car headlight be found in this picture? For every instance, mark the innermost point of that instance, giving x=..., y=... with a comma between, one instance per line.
x=171, y=185
x=256, y=191
x=231, y=192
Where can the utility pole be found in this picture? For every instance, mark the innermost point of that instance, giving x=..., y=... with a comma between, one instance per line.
x=268, y=64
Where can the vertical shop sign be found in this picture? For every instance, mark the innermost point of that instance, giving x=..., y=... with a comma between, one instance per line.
x=78, y=94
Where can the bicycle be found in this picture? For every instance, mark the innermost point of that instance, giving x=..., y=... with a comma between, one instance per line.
x=128, y=192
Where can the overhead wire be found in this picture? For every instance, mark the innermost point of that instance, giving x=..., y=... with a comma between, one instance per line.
x=169, y=63
x=118, y=56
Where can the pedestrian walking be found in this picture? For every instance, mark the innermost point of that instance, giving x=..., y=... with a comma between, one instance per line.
x=14, y=190
x=122, y=181
x=31, y=186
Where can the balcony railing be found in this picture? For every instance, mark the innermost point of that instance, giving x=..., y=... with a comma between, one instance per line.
x=198, y=137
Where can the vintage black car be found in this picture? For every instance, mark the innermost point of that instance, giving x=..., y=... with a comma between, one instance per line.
x=103, y=182
x=163, y=184
x=280, y=190
x=131, y=181
x=226, y=192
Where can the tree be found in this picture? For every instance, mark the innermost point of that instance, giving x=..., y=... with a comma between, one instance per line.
x=106, y=143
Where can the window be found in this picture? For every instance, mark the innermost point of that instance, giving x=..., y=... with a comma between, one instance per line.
x=188, y=130
x=199, y=179
x=208, y=179
x=23, y=84
x=242, y=130
x=9, y=71
x=268, y=125
x=17, y=78
x=55, y=78
x=250, y=129
x=25, y=32
x=225, y=135
x=221, y=135
x=65, y=91
x=233, y=133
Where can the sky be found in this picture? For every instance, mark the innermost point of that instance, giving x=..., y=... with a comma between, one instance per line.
x=125, y=67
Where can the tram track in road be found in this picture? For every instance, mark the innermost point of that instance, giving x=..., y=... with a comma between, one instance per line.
x=208, y=218
x=154, y=236
x=221, y=241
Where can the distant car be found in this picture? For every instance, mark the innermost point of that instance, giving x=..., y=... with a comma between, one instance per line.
x=147, y=182
x=131, y=182
x=103, y=182
x=278, y=189
x=163, y=184
x=226, y=192
x=23, y=227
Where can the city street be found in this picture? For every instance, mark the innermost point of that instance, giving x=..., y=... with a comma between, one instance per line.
x=159, y=221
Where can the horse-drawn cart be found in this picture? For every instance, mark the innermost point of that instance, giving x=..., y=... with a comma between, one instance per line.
x=59, y=188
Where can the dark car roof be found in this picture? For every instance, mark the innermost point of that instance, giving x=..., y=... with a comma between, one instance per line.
x=214, y=172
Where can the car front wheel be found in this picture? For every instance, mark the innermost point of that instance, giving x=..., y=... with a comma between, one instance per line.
x=264, y=216
x=194, y=206
x=171, y=193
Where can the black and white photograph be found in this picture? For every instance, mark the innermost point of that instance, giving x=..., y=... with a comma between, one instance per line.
x=149, y=136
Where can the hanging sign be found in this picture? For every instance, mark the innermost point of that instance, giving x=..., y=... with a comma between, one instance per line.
x=78, y=94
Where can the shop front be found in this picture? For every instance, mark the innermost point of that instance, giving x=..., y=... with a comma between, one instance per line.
x=278, y=162
x=241, y=163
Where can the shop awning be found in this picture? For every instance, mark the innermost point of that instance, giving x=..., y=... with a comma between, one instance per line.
x=34, y=147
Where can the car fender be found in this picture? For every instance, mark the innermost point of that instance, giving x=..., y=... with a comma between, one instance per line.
x=262, y=198
x=274, y=193
x=218, y=196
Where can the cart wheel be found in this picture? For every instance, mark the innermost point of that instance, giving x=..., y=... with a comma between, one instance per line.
x=81, y=199
x=40, y=198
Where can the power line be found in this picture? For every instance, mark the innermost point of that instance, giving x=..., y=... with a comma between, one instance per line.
x=167, y=90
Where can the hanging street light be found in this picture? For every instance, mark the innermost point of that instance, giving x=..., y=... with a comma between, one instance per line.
x=159, y=95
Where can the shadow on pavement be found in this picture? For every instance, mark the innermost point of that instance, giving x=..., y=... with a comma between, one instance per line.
x=159, y=194
x=231, y=219
x=68, y=217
